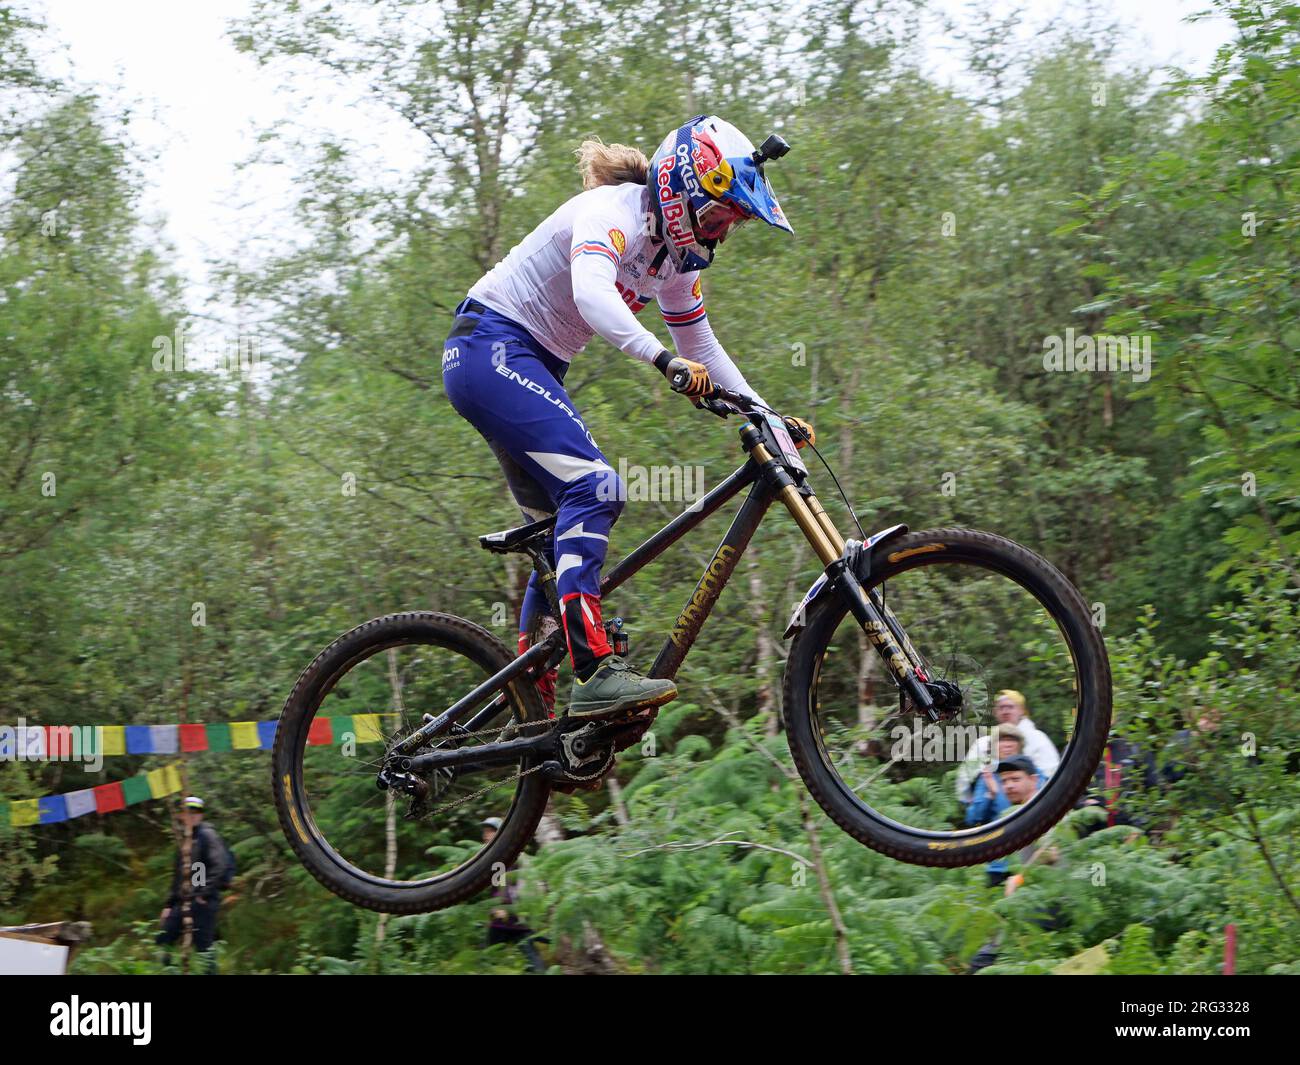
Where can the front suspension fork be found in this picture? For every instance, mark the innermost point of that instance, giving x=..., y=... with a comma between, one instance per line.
x=877, y=620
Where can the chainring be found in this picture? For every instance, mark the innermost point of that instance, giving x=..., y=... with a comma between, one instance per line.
x=581, y=760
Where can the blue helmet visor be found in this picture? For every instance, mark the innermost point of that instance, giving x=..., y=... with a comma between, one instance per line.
x=749, y=190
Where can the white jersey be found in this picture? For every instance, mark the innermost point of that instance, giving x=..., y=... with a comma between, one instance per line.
x=586, y=270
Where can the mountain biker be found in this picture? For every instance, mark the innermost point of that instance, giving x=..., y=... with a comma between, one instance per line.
x=641, y=230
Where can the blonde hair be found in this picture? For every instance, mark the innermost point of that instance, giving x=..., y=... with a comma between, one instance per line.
x=1013, y=695
x=610, y=164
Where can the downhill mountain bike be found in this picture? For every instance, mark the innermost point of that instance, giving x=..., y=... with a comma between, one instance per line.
x=897, y=648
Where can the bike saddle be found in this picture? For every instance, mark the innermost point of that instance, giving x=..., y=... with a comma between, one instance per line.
x=517, y=539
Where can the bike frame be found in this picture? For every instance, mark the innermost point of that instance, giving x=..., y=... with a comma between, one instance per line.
x=768, y=478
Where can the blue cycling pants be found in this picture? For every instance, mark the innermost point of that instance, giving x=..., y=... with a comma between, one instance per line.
x=504, y=383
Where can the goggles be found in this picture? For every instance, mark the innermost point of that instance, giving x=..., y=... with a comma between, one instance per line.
x=716, y=218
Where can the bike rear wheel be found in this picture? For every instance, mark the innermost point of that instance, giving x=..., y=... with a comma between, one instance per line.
x=984, y=614
x=376, y=848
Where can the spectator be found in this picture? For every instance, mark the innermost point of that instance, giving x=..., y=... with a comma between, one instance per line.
x=504, y=926
x=210, y=870
x=1020, y=781
x=1010, y=708
x=990, y=799
x=1128, y=768
x=1125, y=770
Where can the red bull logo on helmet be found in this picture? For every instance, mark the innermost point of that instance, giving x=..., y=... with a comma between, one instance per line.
x=676, y=223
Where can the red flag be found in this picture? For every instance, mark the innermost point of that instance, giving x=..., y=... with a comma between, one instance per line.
x=109, y=797
x=194, y=737
x=1112, y=788
x=321, y=733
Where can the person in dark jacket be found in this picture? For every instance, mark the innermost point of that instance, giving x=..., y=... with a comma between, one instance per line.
x=208, y=873
x=504, y=926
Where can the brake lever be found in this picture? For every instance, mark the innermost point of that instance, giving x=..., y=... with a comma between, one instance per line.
x=720, y=407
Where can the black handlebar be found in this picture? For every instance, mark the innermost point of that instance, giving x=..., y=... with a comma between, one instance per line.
x=724, y=402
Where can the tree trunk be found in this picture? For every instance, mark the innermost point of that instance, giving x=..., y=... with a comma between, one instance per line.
x=766, y=653
x=390, y=800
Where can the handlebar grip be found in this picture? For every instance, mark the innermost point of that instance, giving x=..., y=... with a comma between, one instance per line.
x=680, y=379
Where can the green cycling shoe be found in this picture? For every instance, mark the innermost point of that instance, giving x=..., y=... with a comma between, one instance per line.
x=616, y=687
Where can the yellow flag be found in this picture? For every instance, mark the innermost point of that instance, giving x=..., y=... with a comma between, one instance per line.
x=164, y=781
x=366, y=727
x=24, y=812
x=113, y=738
x=243, y=735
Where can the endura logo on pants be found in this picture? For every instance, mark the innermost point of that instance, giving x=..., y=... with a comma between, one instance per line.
x=79, y=1018
x=533, y=386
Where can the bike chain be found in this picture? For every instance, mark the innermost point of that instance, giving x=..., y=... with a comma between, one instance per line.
x=550, y=723
x=448, y=807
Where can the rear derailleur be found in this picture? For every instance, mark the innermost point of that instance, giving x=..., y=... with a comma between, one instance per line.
x=424, y=789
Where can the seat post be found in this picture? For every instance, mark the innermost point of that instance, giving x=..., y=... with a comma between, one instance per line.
x=546, y=575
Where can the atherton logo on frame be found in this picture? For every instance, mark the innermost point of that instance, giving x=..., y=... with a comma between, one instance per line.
x=705, y=593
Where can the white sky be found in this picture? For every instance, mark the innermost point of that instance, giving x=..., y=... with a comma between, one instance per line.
x=199, y=104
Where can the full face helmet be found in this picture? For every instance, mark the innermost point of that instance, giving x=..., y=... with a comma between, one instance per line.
x=705, y=179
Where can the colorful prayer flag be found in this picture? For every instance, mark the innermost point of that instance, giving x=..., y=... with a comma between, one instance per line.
x=366, y=727
x=243, y=735
x=109, y=797
x=219, y=737
x=136, y=789
x=112, y=739
x=194, y=737
x=163, y=738
x=139, y=740
x=24, y=812
x=81, y=802
x=54, y=808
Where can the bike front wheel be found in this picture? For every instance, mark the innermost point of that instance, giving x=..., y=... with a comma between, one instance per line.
x=1000, y=627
